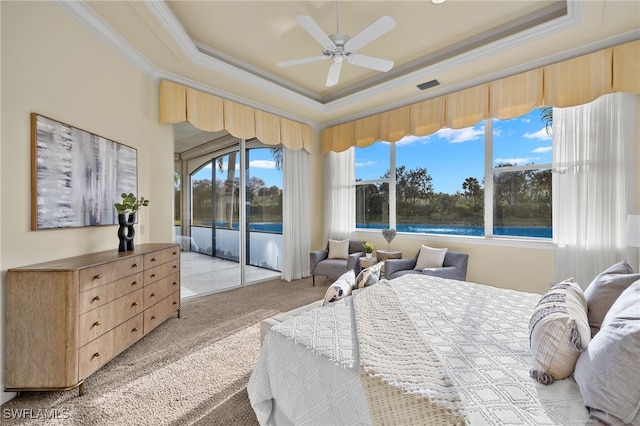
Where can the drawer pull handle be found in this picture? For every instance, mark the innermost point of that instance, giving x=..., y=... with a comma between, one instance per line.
x=175, y=303
x=96, y=324
x=95, y=299
x=96, y=355
x=134, y=283
x=153, y=259
x=97, y=277
x=175, y=266
x=153, y=295
x=153, y=275
x=135, y=265
x=134, y=304
x=174, y=253
x=175, y=283
x=153, y=317
x=134, y=329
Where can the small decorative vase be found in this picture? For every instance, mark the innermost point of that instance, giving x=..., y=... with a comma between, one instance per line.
x=126, y=232
x=368, y=255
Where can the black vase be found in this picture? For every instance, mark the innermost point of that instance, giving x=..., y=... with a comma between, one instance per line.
x=126, y=232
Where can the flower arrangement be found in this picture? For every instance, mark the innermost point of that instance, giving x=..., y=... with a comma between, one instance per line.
x=130, y=204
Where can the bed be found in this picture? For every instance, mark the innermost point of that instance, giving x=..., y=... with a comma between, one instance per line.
x=413, y=350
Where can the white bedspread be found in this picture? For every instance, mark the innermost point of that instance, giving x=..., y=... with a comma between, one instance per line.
x=307, y=372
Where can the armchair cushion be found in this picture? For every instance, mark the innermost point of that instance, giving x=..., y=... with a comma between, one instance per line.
x=429, y=257
x=338, y=249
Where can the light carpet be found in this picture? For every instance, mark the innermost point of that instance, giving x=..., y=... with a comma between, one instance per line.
x=191, y=370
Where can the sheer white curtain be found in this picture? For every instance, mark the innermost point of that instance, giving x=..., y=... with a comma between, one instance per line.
x=594, y=184
x=296, y=241
x=339, y=195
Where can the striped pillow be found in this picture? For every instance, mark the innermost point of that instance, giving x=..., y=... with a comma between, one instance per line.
x=558, y=332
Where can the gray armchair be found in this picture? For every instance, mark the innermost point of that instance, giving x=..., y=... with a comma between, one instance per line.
x=320, y=264
x=454, y=267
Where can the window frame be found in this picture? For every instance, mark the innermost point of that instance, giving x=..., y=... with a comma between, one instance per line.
x=489, y=173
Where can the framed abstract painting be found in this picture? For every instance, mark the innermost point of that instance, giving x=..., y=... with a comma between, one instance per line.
x=77, y=176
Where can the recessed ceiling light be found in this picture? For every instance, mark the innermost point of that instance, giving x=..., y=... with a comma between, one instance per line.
x=437, y=1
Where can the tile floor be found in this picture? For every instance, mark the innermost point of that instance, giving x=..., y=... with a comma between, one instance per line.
x=201, y=274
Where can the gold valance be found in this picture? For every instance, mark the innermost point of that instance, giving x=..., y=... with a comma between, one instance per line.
x=211, y=113
x=573, y=82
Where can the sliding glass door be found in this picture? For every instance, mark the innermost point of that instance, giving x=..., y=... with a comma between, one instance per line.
x=236, y=214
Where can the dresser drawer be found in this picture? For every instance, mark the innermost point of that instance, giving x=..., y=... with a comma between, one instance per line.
x=160, y=289
x=107, y=272
x=156, y=273
x=101, y=320
x=99, y=296
x=162, y=310
x=161, y=256
x=100, y=351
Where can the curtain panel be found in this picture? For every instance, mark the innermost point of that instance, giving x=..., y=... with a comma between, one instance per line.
x=211, y=113
x=594, y=184
x=296, y=215
x=573, y=82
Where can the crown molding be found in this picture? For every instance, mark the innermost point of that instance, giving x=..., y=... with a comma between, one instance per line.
x=171, y=24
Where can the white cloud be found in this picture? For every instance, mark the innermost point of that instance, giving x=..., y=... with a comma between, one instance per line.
x=461, y=135
x=514, y=161
x=365, y=163
x=526, y=120
x=542, y=149
x=410, y=139
x=263, y=164
x=540, y=134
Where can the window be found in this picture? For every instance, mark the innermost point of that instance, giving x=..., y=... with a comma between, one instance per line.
x=436, y=184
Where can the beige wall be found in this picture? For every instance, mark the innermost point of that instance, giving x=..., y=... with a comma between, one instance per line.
x=52, y=66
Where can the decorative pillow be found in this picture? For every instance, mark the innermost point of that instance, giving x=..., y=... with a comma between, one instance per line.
x=430, y=257
x=369, y=276
x=630, y=296
x=558, y=332
x=605, y=289
x=341, y=288
x=338, y=249
x=607, y=371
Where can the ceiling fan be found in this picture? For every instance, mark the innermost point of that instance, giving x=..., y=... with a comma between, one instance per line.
x=339, y=47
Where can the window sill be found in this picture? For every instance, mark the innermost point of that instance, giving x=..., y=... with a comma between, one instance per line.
x=501, y=241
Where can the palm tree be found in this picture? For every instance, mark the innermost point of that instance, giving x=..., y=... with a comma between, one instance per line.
x=546, y=115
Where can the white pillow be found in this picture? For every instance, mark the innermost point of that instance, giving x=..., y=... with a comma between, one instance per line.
x=607, y=371
x=430, y=257
x=338, y=249
x=558, y=332
x=341, y=288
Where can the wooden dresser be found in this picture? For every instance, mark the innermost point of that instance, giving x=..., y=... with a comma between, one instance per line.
x=67, y=318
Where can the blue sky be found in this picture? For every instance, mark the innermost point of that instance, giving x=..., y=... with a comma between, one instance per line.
x=452, y=155
x=261, y=164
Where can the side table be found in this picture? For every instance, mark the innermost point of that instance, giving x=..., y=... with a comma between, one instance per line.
x=365, y=263
x=388, y=254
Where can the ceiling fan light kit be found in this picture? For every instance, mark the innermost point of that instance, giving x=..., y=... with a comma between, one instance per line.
x=339, y=47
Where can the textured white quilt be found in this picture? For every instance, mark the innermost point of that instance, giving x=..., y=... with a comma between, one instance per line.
x=307, y=372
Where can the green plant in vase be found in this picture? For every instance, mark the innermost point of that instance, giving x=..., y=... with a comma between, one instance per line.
x=368, y=248
x=127, y=210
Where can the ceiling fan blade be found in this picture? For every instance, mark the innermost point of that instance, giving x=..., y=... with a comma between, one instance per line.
x=372, y=32
x=334, y=73
x=302, y=61
x=370, y=62
x=315, y=31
